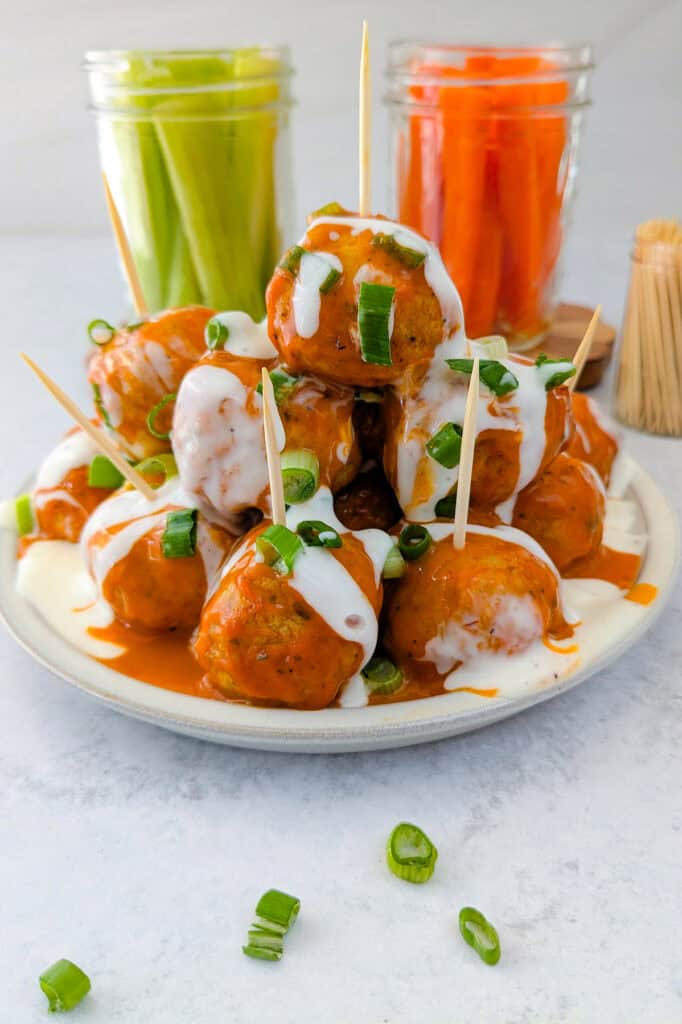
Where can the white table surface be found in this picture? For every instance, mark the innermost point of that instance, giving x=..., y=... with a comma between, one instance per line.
x=140, y=854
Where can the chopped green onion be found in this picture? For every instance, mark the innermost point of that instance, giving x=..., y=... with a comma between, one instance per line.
x=408, y=257
x=100, y=332
x=134, y=326
x=179, y=539
x=317, y=534
x=291, y=260
x=158, y=465
x=103, y=473
x=330, y=280
x=99, y=405
x=494, y=347
x=495, y=375
x=374, y=322
x=446, y=444
x=300, y=475
x=410, y=854
x=263, y=952
x=478, y=932
x=445, y=508
x=65, y=985
x=264, y=939
x=23, y=510
x=283, y=384
x=216, y=333
x=414, y=541
x=279, y=547
x=382, y=676
x=328, y=210
x=394, y=566
x=277, y=911
x=554, y=372
x=153, y=413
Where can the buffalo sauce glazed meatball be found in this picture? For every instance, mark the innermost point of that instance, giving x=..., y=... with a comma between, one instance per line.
x=147, y=581
x=592, y=440
x=521, y=427
x=138, y=368
x=564, y=510
x=62, y=497
x=218, y=438
x=497, y=595
x=323, y=320
x=296, y=637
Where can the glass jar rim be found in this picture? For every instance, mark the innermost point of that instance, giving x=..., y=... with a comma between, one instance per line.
x=568, y=56
x=112, y=61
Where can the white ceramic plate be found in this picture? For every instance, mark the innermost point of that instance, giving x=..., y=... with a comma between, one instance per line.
x=613, y=630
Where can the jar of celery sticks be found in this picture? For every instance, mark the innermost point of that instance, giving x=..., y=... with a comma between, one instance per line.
x=195, y=147
x=484, y=163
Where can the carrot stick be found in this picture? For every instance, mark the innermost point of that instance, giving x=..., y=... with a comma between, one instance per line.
x=482, y=312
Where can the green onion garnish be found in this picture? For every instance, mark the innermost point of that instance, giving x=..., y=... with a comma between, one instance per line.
x=134, y=326
x=279, y=547
x=408, y=257
x=65, y=985
x=494, y=346
x=478, y=932
x=316, y=534
x=410, y=854
x=382, y=676
x=291, y=260
x=554, y=371
x=158, y=465
x=328, y=210
x=153, y=413
x=283, y=384
x=495, y=375
x=103, y=473
x=374, y=320
x=99, y=405
x=216, y=333
x=414, y=541
x=445, y=507
x=179, y=539
x=277, y=911
x=300, y=475
x=264, y=944
x=445, y=445
x=394, y=566
x=23, y=510
x=100, y=332
x=330, y=280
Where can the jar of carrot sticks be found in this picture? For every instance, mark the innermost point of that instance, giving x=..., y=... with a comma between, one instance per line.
x=485, y=143
x=195, y=149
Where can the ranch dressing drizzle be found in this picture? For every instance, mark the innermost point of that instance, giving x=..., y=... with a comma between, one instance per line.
x=313, y=271
x=74, y=451
x=246, y=338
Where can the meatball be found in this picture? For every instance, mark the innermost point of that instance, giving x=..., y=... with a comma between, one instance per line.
x=145, y=588
x=139, y=367
x=62, y=498
x=218, y=436
x=289, y=639
x=592, y=442
x=368, y=503
x=312, y=299
x=495, y=595
x=563, y=510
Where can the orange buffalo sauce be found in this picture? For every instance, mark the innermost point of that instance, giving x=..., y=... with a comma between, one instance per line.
x=617, y=567
x=162, y=659
x=642, y=593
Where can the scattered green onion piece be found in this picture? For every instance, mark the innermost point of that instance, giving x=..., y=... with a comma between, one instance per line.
x=316, y=534
x=374, y=317
x=382, y=676
x=262, y=952
x=394, y=566
x=495, y=375
x=179, y=539
x=563, y=370
x=266, y=938
x=410, y=854
x=283, y=384
x=100, y=332
x=153, y=413
x=158, y=465
x=279, y=547
x=277, y=911
x=446, y=444
x=216, y=333
x=291, y=260
x=300, y=475
x=478, y=932
x=330, y=280
x=369, y=396
x=65, y=986
x=103, y=473
x=23, y=510
x=445, y=507
x=99, y=405
x=494, y=346
x=328, y=210
x=134, y=326
x=414, y=541
x=408, y=257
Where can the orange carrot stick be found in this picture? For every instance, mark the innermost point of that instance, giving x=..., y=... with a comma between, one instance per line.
x=482, y=313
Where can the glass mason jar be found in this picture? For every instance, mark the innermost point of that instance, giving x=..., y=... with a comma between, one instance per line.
x=195, y=147
x=484, y=163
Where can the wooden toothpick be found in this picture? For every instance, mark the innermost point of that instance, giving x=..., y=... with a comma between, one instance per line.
x=365, y=128
x=96, y=434
x=466, y=460
x=583, y=350
x=125, y=253
x=272, y=451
